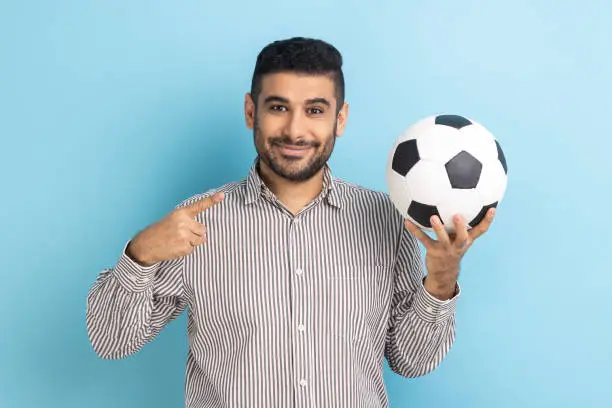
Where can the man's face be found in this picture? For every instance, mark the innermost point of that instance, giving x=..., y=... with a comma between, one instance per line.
x=295, y=123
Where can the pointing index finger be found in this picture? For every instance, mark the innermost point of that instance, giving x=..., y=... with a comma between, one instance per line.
x=205, y=203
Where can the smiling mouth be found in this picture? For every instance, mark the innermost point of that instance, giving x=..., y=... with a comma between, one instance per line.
x=293, y=150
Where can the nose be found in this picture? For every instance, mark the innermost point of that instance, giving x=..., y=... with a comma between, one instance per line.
x=295, y=128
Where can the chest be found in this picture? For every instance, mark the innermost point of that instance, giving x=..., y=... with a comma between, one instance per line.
x=261, y=273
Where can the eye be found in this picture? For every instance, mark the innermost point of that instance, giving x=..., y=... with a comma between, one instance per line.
x=278, y=108
x=315, y=111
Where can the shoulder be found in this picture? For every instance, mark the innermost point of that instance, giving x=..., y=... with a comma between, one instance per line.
x=359, y=197
x=373, y=209
x=354, y=191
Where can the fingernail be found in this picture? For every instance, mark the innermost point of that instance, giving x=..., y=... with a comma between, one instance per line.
x=492, y=213
x=434, y=220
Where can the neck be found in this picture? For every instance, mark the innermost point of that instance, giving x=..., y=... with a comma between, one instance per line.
x=295, y=195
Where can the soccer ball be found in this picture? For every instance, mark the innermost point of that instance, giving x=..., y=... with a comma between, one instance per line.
x=445, y=165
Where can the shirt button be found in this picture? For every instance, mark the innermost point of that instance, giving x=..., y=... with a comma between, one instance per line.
x=429, y=309
x=303, y=382
x=298, y=271
x=301, y=327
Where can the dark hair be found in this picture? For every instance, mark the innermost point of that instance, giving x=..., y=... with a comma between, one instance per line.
x=300, y=55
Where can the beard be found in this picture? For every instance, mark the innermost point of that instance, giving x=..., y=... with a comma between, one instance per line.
x=288, y=168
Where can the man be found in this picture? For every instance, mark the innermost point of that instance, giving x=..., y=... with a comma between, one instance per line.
x=297, y=284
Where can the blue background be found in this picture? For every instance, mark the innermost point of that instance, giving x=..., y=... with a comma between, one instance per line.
x=112, y=112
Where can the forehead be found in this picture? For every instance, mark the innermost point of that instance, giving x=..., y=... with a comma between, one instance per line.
x=298, y=87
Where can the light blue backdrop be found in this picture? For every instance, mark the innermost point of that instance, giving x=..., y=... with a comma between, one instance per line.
x=113, y=111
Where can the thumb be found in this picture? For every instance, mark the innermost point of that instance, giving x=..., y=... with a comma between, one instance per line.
x=205, y=203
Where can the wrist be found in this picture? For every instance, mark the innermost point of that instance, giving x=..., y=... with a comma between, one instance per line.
x=440, y=289
x=135, y=254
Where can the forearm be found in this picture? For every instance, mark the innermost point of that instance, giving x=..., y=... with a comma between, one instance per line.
x=129, y=305
x=118, y=320
x=421, y=334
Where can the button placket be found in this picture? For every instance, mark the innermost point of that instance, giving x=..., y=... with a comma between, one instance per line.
x=299, y=346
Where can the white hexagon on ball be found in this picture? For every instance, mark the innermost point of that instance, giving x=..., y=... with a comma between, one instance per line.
x=445, y=165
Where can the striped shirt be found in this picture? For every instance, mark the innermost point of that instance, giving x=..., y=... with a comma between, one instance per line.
x=284, y=310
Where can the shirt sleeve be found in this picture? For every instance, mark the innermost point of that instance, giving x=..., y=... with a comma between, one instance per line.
x=129, y=304
x=421, y=328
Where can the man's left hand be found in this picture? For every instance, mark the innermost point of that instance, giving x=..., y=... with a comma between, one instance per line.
x=444, y=255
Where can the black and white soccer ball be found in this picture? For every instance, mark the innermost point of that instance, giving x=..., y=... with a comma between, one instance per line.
x=445, y=165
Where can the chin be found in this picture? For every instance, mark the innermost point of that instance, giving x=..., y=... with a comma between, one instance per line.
x=298, y=173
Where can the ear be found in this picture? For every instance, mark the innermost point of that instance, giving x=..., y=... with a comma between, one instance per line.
x=341, y=119
x=249, y=111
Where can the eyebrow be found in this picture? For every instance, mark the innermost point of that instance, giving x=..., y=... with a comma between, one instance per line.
x=276, y=98
x=318, y=100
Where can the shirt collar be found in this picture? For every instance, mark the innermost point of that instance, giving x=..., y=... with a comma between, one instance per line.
x=256, y=188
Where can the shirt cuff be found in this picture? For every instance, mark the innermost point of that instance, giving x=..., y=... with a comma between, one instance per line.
x=133, y=276
x=432, y=309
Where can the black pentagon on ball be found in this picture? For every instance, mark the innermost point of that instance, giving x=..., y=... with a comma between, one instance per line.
x=481, y=214
x=422, y=213
x=455, y=121
x=405, y=157
x=501, y=157
x=463, y=170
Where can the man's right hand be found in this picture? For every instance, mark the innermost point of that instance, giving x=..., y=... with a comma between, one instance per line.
x=174, y=236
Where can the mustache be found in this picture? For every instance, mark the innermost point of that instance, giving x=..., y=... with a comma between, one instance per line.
x=280, y=140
